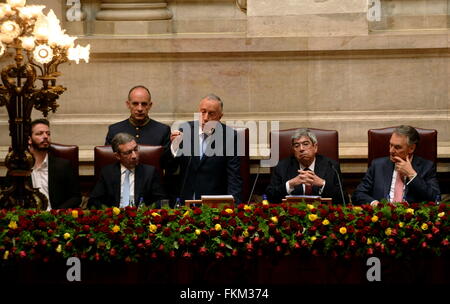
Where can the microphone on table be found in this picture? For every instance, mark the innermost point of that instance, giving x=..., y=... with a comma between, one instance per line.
x=340, y=184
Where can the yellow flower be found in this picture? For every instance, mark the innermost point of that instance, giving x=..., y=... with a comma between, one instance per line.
x=343, y=230
x=59, y=248
x=218, y=227
x=313, y=238
x=245, y=233
x=374, y=219
x=116, y=211
x=441, y=214
x=325, y=222
x=5, y=255
x=185, y=214
x=424, y=226
x=154, y=214
x=274, y=219
x=66, y=235
x=265, y=203
x=198, y=231
x=401, y=224
x=247, y=208
x=12, y=225
x=75, y=213
x=312, y=217
x=115, y=229
x=310, y=206
x=369, y=241
x=357, y=209
x=229, y=211
x=409, y=210
x=153, y=228
x=388, y=231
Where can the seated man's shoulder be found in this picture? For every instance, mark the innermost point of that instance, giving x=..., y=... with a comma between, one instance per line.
x=380, y=160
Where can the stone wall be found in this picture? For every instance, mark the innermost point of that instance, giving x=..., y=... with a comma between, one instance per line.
x=313, y=63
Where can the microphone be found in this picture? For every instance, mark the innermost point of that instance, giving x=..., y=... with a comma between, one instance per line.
x=339, y=181
x=253, y=188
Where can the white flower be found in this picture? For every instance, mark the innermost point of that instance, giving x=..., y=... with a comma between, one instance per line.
x=2, y=48
x=11, y=29
x=43, y=54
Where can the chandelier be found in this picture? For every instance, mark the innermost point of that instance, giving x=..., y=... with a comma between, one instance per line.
x=38, y=46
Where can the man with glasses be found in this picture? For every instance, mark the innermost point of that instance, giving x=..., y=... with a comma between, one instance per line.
x=145, y=130
x=126, y=182
x=305, y=172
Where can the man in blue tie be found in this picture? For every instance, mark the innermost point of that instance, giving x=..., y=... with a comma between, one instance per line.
x=205, y=150
x=126, y=182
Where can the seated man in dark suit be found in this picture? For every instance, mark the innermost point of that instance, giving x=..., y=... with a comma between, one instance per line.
x=145, y=130
x=52, y=175
x=126, y=182
x=206, y=152
x=402, y=176
x=305, y=172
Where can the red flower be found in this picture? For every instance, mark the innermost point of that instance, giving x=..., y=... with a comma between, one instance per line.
x=202, y=251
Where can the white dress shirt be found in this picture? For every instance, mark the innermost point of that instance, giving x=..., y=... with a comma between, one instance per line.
x=39, y=178
x=123, y=170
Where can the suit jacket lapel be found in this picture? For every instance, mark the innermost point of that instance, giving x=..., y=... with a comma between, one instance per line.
x=293, y=172
x=51, y=170
x=117, y=183
x=389, y=170
x=138, y=186
x=320, y=168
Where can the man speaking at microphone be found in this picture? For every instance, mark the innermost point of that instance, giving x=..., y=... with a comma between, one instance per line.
x=206, y=152
x=306, y=172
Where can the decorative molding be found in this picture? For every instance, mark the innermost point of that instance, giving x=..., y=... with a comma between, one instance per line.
x=135, y=10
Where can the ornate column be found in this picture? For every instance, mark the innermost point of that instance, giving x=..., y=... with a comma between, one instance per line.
x=133, y=17
x=133, y=10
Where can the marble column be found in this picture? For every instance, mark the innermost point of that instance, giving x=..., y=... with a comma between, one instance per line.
x=133, y=10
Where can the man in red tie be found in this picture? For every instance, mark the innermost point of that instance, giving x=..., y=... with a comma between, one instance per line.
x=305, y=172
x=400, y=177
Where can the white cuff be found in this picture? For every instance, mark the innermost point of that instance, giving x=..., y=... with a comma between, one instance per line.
x=288, y=189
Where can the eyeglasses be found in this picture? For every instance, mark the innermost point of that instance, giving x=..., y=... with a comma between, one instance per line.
x=305, y=144
x=126, y=153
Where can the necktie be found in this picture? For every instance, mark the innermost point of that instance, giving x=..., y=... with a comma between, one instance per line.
x=398, y=190
x=126, y=190
x=203, y=145
x=308, y=188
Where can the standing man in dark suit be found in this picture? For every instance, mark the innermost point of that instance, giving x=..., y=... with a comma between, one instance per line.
x=52, y=175
x=126, y=182
x=400, y=177
x=206, y=152
x=145, y=130
x=305, y=172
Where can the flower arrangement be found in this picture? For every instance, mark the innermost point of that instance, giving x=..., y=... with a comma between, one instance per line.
x=316, y=229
